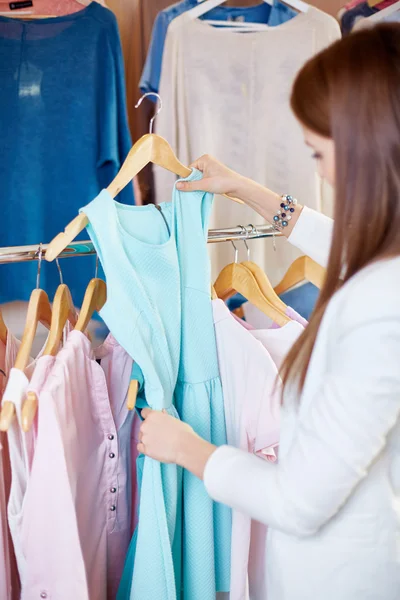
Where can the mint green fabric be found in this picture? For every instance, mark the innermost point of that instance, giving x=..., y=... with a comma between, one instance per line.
x=159, y=310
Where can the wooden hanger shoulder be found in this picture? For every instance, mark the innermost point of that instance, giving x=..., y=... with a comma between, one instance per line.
x=94, y=300
x=301, y=270
x=265, y=285
x=63, y=310
x=3, y=330
x=237, y=278
x=63, y=239
x=39, y=310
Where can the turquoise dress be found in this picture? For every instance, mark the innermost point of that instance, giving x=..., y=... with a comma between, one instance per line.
x=159, y=309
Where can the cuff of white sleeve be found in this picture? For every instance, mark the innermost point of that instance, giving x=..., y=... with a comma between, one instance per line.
x=217, y=473
x=312, y=234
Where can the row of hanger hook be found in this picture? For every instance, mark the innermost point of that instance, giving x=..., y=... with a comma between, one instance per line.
x=244, y=232
x=39, y=255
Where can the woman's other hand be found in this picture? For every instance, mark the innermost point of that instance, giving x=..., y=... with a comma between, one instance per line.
x=169, y=440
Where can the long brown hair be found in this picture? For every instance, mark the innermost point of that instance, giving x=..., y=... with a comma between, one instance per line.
x=350, y=92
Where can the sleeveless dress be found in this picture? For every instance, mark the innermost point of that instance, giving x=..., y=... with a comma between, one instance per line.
x=159, y=309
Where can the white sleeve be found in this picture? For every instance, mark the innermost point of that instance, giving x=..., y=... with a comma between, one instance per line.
x=337, y=439
x=312, y=234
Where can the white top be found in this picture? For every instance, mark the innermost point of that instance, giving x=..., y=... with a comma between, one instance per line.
x=332, y=501
x=227, y=94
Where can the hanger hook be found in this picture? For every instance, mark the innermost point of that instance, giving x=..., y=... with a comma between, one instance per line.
x=244, y=231
x=59, y=271
x=40, y=255
x=236, y=251
x=159, y=107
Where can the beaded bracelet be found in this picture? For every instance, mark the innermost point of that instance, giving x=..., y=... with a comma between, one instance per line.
x=284, y=214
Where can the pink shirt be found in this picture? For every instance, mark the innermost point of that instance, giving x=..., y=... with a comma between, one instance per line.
x=249, y=361
x=76, y=517
x=278, y=342
x=258, y=320
x=252, y=415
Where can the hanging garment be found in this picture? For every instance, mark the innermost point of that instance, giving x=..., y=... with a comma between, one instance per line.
x=62, y=87
x=9, y=579
x=351, y=17
x=21, y=449
x=259, y=320
x=331, y=500
x=49, y=7
x=252, y=413
x=273, y=15
x=159, y=310
x=278, y=342
x=70, y=535
x=247, y=79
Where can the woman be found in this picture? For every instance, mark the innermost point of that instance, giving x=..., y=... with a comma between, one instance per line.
x=333, y=500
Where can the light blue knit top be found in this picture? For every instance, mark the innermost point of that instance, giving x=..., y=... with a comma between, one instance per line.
x=159, y=310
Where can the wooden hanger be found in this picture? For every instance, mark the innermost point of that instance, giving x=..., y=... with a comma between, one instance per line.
x=302, y=269
x=94, y=300
x=151, y=148
x=263, y=281
x=39, y=310
x=63, y=310
x=3, y=330
x=236, y=278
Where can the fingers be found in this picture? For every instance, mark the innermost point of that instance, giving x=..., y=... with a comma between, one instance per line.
x=190, y=186
x=201, y=163
x=202, y=185
x=146, y=412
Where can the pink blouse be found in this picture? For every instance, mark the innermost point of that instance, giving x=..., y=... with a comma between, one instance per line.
x=77, y=515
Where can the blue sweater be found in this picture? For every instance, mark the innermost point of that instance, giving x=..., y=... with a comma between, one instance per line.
x=63, y=135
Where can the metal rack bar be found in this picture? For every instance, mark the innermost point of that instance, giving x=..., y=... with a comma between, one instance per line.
x=14, y=254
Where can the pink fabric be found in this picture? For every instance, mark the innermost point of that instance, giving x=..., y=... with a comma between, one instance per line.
x=252, y=413
x=9, y=579
x=258, y=320
x=74, y=542
x=48, y=7
x=242, y=322
x=278, y=342
x=352, y=4
x=385, y=4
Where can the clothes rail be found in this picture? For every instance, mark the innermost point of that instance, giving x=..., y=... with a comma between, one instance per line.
x=14, y=254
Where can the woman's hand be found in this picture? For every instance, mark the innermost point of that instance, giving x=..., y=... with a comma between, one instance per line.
x=161, y=436
x=217, y=178
x=169, y=440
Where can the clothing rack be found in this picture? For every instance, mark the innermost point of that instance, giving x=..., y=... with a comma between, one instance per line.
x=14, y=254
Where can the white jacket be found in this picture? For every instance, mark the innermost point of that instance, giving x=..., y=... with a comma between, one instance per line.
x=333, y=501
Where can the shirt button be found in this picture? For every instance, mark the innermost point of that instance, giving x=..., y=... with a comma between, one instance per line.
x=113, y=490
x=112, y=508
x=111, y=455
x=111, y=437
x=43, y=595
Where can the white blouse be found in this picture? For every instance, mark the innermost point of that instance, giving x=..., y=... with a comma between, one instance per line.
x=333, y=500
